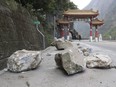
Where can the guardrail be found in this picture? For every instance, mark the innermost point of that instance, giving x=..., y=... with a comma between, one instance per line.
x=42, y=36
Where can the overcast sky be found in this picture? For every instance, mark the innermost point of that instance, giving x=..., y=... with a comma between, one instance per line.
x=81, y=3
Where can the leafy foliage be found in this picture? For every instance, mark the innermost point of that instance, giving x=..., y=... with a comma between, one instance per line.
x=110, y=33
x=48, y=6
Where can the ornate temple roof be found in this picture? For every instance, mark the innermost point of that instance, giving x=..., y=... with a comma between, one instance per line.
x=81, y=13
x=61, y=21
x=96, y=21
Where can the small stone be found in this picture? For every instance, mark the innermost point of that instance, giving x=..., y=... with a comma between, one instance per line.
x=21, y=76
x=5, y=69
x=86, y=54
x=48, y=54
x=101, y=82
x=78, y=44
x=28, y=84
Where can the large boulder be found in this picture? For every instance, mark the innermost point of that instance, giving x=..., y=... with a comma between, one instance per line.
x=98, y=61
x=62, y=45
x=54, y=42
x=70, y=60
x=23, y=60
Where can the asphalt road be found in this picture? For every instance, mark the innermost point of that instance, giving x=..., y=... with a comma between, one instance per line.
x=109, y=45
x=48, y=75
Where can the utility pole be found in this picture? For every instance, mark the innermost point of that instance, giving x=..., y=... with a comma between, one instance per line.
x=54, y=26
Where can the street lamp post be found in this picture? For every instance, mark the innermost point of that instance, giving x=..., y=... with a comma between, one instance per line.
x=54, y=23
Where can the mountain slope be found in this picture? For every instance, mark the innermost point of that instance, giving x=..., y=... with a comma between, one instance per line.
x=110, y=22
x=107, y=10
x=101, y=5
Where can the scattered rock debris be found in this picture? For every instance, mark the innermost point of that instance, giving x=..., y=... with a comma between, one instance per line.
x=28, y=84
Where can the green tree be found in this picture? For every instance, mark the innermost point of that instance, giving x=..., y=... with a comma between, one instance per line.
x=71, y=5
x=48, y=6
x=44, y=5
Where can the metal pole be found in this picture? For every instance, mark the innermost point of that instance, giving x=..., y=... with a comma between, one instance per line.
x=42, y=36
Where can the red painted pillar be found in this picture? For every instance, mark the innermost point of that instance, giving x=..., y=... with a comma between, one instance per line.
x=62, y=32
x=67, y=31
x=91, y=30
x=96, y=34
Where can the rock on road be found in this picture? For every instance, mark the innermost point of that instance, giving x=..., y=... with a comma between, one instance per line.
x=48, y=75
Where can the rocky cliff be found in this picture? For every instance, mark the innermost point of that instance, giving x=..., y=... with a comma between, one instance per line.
x=16, y=30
